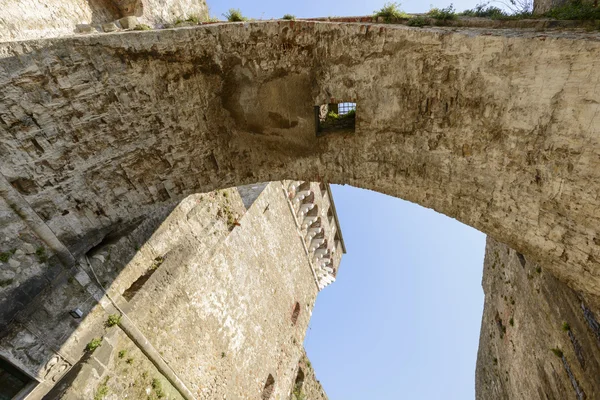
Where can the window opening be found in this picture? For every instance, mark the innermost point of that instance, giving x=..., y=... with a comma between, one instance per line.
x=297, y=392
x=269, y=388
x=296, y=313
x=323, y=188
x=335, y=117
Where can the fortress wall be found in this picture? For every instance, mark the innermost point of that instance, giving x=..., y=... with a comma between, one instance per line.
x=525, y=309
x=217, y=305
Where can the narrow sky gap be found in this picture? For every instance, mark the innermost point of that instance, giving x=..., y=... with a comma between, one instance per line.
x=406, y=307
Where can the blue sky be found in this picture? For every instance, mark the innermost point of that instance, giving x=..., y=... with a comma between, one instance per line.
x=402, y=320
x=267, y=9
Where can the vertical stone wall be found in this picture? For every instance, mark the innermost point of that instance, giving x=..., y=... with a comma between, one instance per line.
x=539, y=338
x=222, y=290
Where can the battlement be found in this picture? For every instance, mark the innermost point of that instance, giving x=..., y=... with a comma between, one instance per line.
x=316, y=220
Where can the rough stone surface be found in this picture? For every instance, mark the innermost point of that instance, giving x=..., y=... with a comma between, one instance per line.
x=110, y=127
x=109, y=27
x=527, y=313
x=128, y=22
x=222, y=290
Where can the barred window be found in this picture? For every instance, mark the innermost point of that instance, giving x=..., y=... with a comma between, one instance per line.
x=335, y=117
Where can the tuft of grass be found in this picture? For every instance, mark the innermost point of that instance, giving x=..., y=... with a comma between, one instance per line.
x=157, y=262
x=511, y=321
x=223, y=354
x=158, y=389
x=538, y=270
x=566, y=327
x=418, y=22
x=390, y=12
x=289, y=17
x=5, y=256
x=122, y=353
x=142, y=27
x=574, y=10
x=193, y=19
x=93, y=345
x=297, y=393
x=129, y=360
x=484, y=10
x=234, y=15
x=443, y=14
x=557, y=352
x=102, y=390
x=40, y=252
x=113, y=320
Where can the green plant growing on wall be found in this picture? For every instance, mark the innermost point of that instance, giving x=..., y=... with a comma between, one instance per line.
x=93, y=345
x=157, y=262
x=40, y=252
x=484, y=10
x=297, y=394
x=511, y=321
x=557, y=352
x=142, y=27
x=113, y=319
x=4, y=257
x=417, y=21
x=122, y=353
x=158, y=389
x=129, y=360
x=289, y=17
x=102, y=390
x=390, y=12
x=234, y=15
x=443, y=14
x=566, y=327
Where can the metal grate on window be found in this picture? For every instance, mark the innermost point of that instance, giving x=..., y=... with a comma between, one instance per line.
x=345, y=108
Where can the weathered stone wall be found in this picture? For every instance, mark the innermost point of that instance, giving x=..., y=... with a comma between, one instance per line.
x=462, y=121
x=34, y=19
x=527, y=314
x=222, y=289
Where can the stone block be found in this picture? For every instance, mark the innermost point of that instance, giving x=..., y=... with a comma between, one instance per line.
x=128, y=22
x=84, y=28
x=110, y=27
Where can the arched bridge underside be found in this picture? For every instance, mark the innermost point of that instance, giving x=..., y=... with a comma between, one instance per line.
x=498, y=129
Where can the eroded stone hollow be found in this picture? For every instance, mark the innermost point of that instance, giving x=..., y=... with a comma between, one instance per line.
x=100, y=134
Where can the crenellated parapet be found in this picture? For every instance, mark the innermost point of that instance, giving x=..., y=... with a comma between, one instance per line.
x=315, y=216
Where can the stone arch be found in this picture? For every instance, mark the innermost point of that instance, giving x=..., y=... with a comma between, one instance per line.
x=460, y=125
